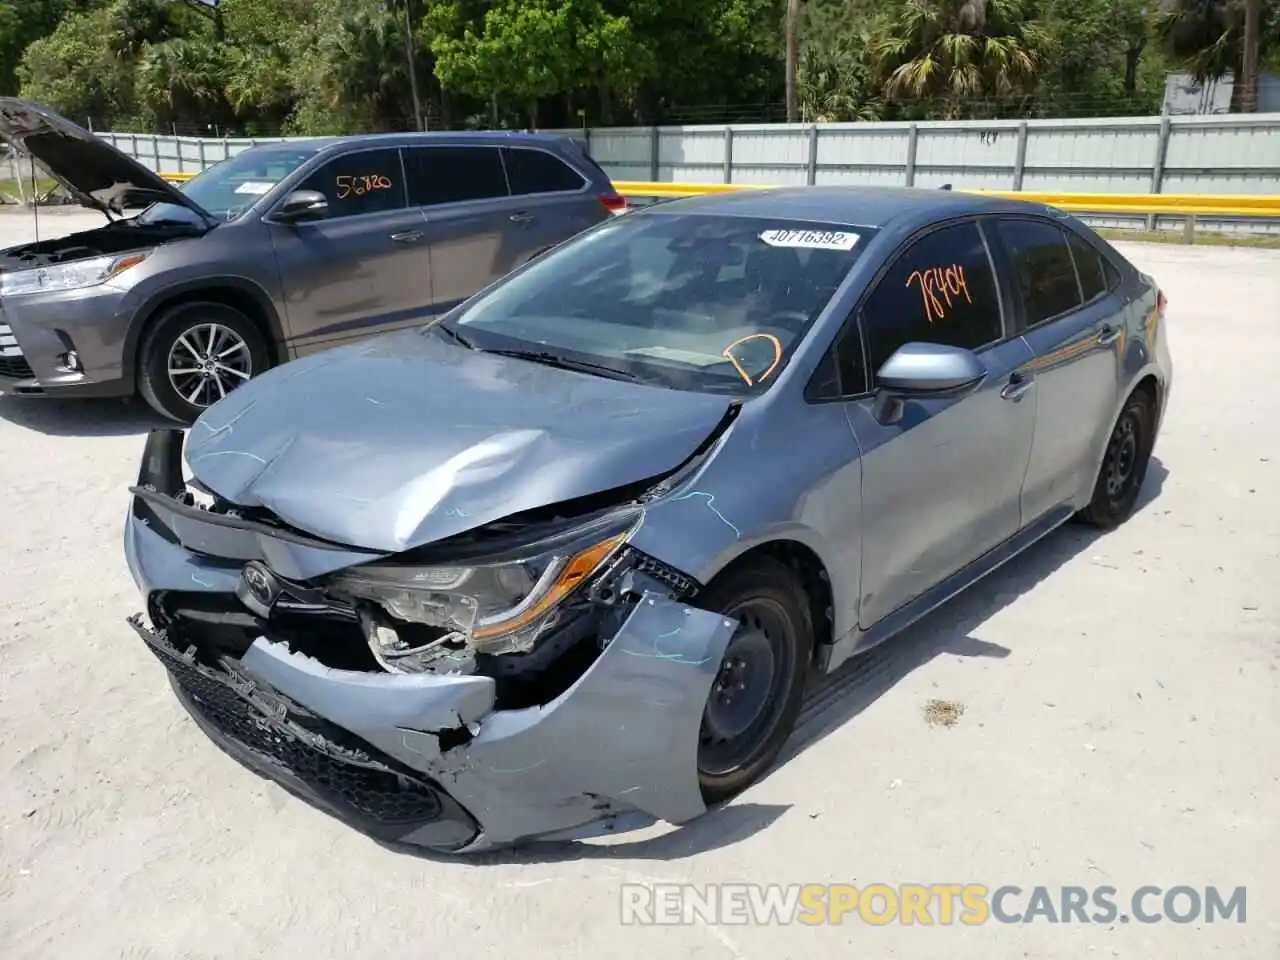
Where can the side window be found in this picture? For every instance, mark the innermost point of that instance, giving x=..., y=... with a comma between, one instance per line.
x=1043, y=271
x=1089, y=267
x=537, y=171
x=454, y=174
x=368, y=181
x=940, y=290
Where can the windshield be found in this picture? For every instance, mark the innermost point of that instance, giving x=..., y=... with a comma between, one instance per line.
x=694, y=301
x=230, y=187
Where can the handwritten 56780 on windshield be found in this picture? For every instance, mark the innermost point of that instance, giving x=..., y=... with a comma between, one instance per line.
x=357, y=186
x=940, y=288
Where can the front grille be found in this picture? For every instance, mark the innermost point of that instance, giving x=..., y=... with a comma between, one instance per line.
x=366, y=784
x=12, y=362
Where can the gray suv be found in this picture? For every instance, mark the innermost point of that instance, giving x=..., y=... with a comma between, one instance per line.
x=283, y=250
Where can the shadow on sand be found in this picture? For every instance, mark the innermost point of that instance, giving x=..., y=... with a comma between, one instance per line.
x=120, y=417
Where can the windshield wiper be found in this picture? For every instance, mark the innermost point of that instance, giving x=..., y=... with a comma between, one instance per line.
x=452, y=334
x=566, y=363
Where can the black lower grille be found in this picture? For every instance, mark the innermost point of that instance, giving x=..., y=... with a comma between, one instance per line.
x=14, y=367
x=364, y=785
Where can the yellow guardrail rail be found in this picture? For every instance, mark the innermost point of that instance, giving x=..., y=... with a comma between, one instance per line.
x=1121, y=204
x=1167, y=204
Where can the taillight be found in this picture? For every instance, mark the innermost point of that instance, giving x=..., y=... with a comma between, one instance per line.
x=613, y=203
x=1161, y=302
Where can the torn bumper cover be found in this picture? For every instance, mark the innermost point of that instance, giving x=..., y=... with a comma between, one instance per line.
x=429, y=759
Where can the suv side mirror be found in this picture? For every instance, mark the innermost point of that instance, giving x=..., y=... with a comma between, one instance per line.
x=923, y=371
x=303, y=205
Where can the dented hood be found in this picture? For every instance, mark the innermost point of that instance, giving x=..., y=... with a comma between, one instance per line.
x=91, y=170
x=407, y=439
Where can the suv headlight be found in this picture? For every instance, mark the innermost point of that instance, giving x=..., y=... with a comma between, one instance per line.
x=72, y=275
x=493, y=607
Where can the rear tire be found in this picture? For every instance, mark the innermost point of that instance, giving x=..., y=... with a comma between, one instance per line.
x=758, y=690
x=195, y=354
x=1124, y=465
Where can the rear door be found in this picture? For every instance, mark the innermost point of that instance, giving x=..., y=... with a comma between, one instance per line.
x=363, y=267
x=1073, y=322
x=552, y=200
x=461, y=190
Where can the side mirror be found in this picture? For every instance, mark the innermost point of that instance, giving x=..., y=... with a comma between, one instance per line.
x=925, y=371
x=303, y=205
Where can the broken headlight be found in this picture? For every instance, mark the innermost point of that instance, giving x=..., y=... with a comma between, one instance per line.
x=492, y=606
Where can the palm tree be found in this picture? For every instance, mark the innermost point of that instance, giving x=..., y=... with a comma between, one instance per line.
x=957, y=51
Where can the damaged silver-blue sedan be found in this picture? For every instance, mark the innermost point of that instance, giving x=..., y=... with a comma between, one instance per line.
x=565, y=558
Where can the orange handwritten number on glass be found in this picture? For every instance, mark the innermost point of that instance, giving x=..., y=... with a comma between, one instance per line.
x=358, y=186
x=940, y=287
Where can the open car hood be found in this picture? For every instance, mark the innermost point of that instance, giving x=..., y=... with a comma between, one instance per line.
x=407, y=439
x=91, y=170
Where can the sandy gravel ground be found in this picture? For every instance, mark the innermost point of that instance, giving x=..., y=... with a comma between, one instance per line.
x=1120, y=727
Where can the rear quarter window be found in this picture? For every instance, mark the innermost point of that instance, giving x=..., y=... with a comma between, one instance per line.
x=533, y=171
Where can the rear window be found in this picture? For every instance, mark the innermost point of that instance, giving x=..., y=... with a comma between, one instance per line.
x=537, y=171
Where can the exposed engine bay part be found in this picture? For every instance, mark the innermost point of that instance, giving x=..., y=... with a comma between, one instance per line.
x=123, y=236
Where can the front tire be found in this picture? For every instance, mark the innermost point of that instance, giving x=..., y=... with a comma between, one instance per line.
x=195, y=354
x=758, y=690
x=1124, y=465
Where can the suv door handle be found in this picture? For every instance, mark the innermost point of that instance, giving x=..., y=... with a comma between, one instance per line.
x=522, y=217
x=1019, y=383
x=408, y=236
x=1108, y=335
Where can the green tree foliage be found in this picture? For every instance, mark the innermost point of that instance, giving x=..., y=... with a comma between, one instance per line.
x=329, y=66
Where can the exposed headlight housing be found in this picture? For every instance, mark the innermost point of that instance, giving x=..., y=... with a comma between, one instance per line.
x=492, y=606
x=73, y=275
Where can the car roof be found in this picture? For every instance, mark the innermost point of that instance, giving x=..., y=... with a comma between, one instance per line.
x=401, y=139
x=852, y=206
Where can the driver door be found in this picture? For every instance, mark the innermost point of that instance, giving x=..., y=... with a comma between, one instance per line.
x=364, y=267
x=942, y=485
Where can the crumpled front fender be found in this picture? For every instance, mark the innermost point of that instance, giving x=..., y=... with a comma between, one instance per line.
x=623, y=738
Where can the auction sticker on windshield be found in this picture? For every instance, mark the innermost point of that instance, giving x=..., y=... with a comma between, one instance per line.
x=810, y=239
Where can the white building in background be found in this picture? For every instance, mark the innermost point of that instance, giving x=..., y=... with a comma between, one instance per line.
x=1182, y=95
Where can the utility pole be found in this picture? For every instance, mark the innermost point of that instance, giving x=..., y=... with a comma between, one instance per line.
x=410, y=61
x=1249, y=59
x=793, y=58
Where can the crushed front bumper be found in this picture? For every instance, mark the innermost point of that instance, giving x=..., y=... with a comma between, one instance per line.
x=384, y=752
x=432, y=760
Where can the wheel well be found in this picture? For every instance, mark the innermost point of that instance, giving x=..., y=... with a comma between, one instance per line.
x=813, y=575
x=1151, y=387
x=227, y=296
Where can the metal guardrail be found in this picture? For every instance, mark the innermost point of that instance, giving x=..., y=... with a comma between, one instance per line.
x=1185, y=206
x=1123, y=204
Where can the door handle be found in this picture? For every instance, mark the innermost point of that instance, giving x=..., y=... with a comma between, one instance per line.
x=521, y=217
x=1108, y=335
x=1018, y=385
x=408, y=236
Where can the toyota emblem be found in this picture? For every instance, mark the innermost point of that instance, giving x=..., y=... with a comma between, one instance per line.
x=258, y=588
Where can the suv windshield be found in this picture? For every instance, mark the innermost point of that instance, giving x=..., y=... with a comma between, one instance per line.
x=693, y=301
x=229, y=187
